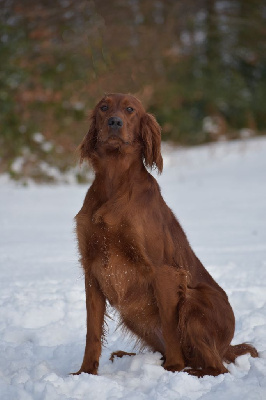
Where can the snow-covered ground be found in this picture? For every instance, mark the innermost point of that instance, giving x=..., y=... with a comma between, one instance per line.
x=218, y=192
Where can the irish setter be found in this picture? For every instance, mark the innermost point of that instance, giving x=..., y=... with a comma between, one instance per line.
x=136, y=255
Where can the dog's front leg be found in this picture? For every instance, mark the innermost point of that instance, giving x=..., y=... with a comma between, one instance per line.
x=167, y=284
x=95, y=304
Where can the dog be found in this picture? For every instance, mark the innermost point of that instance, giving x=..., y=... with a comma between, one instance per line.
x=136, y=256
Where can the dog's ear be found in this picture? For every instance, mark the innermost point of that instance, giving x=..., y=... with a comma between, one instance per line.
x=88, y=144
x=150, y=132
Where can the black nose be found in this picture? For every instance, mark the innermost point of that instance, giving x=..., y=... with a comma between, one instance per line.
x=115, y=122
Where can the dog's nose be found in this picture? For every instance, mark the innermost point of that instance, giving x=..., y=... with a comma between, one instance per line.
x=115, y=122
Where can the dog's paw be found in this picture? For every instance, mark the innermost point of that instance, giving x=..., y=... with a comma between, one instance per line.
x=120, y=354
x=92, y=370
x=174, y=367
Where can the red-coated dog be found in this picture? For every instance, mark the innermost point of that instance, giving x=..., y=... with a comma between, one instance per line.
x=135, y=254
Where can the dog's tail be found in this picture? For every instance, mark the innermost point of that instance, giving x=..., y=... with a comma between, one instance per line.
x=238, y=350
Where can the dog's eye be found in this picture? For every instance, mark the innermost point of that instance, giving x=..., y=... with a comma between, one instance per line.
x=104, y=108
x=130, y=109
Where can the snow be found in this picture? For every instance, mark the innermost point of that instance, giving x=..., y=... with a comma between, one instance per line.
x=218, y=192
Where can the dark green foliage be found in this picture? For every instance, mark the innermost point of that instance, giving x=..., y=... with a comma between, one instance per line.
x=199, y=66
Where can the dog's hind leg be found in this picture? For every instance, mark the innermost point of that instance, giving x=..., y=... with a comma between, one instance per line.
x=207, y=323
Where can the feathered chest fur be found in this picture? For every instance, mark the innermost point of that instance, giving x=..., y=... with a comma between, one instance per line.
x=114, y=258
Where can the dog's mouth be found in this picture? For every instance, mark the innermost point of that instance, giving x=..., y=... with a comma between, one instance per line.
x=112, y=139
x=115, y=140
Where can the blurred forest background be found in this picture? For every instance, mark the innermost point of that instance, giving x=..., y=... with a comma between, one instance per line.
x=199, y=66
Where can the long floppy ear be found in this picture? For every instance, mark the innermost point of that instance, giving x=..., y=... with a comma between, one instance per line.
x=88, y=144
x=150, y=132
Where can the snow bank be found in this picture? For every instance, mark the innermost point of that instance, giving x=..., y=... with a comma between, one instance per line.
x=218, y=193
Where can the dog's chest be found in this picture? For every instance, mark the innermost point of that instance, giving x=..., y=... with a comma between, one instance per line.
x=115, y=265
x=116, y=278
x=114, y=256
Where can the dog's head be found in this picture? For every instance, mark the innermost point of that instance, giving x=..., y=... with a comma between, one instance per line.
x=119, y=121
